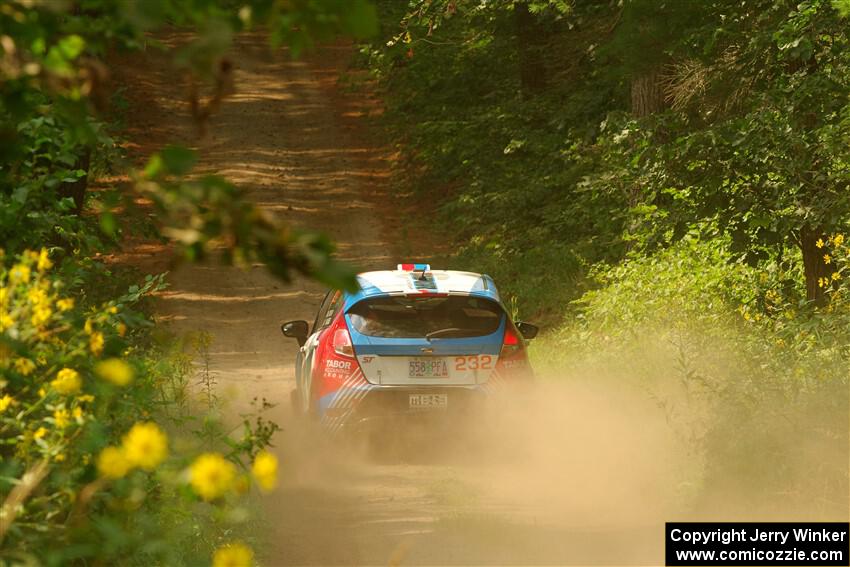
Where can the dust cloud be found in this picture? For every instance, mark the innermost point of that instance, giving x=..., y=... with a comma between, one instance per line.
x=583, y=468
x=583, y=454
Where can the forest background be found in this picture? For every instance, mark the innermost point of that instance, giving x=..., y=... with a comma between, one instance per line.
x=664, y=184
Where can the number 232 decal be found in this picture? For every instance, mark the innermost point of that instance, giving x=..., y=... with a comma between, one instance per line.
x=464, y=363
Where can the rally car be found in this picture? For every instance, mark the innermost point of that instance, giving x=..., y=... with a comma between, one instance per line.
x=410, y=342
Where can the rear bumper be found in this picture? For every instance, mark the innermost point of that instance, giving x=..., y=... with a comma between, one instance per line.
x=379, y=405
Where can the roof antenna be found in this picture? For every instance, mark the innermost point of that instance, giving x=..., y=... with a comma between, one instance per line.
x=421, y=268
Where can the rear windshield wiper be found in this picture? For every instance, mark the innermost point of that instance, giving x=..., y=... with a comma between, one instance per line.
x=449, y=330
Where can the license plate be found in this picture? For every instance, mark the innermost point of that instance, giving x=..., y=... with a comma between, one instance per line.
x=428, y=368
x=418, y=401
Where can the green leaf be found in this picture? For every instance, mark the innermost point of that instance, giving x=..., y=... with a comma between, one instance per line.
x=337, y=275
x=153, y=167
x=108, y=223
x=59, y=57
x=843, y=7
x=19, y=195
x=178, y=160
x=71, y=46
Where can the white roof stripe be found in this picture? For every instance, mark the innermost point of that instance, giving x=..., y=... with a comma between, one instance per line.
x=397, y=281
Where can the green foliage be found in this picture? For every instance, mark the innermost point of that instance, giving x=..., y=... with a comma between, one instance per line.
x=754, y=146
x=681, y=247
x=102, y=459
x=843, y=7
x=75, y=377
x=753, y=143
x=53, y=94
x=777, y=163
x=754, y=383
x=690, y=281
x=515, y=170
x=34, y=210
x=195, y=213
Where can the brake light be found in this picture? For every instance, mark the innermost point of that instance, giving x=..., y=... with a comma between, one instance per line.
x=511, y=343
x=342, y=342
x=513, y=359
x=335, y=361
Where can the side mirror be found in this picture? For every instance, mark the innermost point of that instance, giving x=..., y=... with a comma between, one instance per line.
x=527, y=330
x=295, y=330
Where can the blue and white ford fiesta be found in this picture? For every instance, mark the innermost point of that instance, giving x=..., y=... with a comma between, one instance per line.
x=411, y=342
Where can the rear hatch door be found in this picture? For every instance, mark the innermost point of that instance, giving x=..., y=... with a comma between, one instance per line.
x=426, y=339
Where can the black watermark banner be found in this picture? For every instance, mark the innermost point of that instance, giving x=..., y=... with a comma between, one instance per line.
x=753, y=543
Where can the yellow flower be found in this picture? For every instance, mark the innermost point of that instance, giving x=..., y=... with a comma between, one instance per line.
x=96, y=343
x=78, y=413
x=145, y=445
x=19, y=274
x=88, y=327
x=6, y=321
x=67, y=381
x=60, y=418
x=65, y=304
x=819, y=243
x=836, y=276
x=827, y=259
x=211, y=475
x=112, y=463
x=85, y=398
x=115, y=370
x=5, y=402
x=37, y=296
x=838, y=239
x=113, y=310
x=41, y=315
x=39, y=433
x=122, y=329
x=822, y=282
x=60, y=458
x=24, y=365
x=264, y=470
x=233, y=555
x=44, y=262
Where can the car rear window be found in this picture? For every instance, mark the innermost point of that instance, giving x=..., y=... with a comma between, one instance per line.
x=426, y=317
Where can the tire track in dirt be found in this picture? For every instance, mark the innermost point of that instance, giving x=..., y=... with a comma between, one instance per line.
x=287, y=139
x=278, y=140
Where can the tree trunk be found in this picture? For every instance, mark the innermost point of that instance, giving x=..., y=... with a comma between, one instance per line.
x=814, y=267
x=647, y=94
x=530, y=49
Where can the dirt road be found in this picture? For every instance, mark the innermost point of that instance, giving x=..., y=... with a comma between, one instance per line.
x=298, y=148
